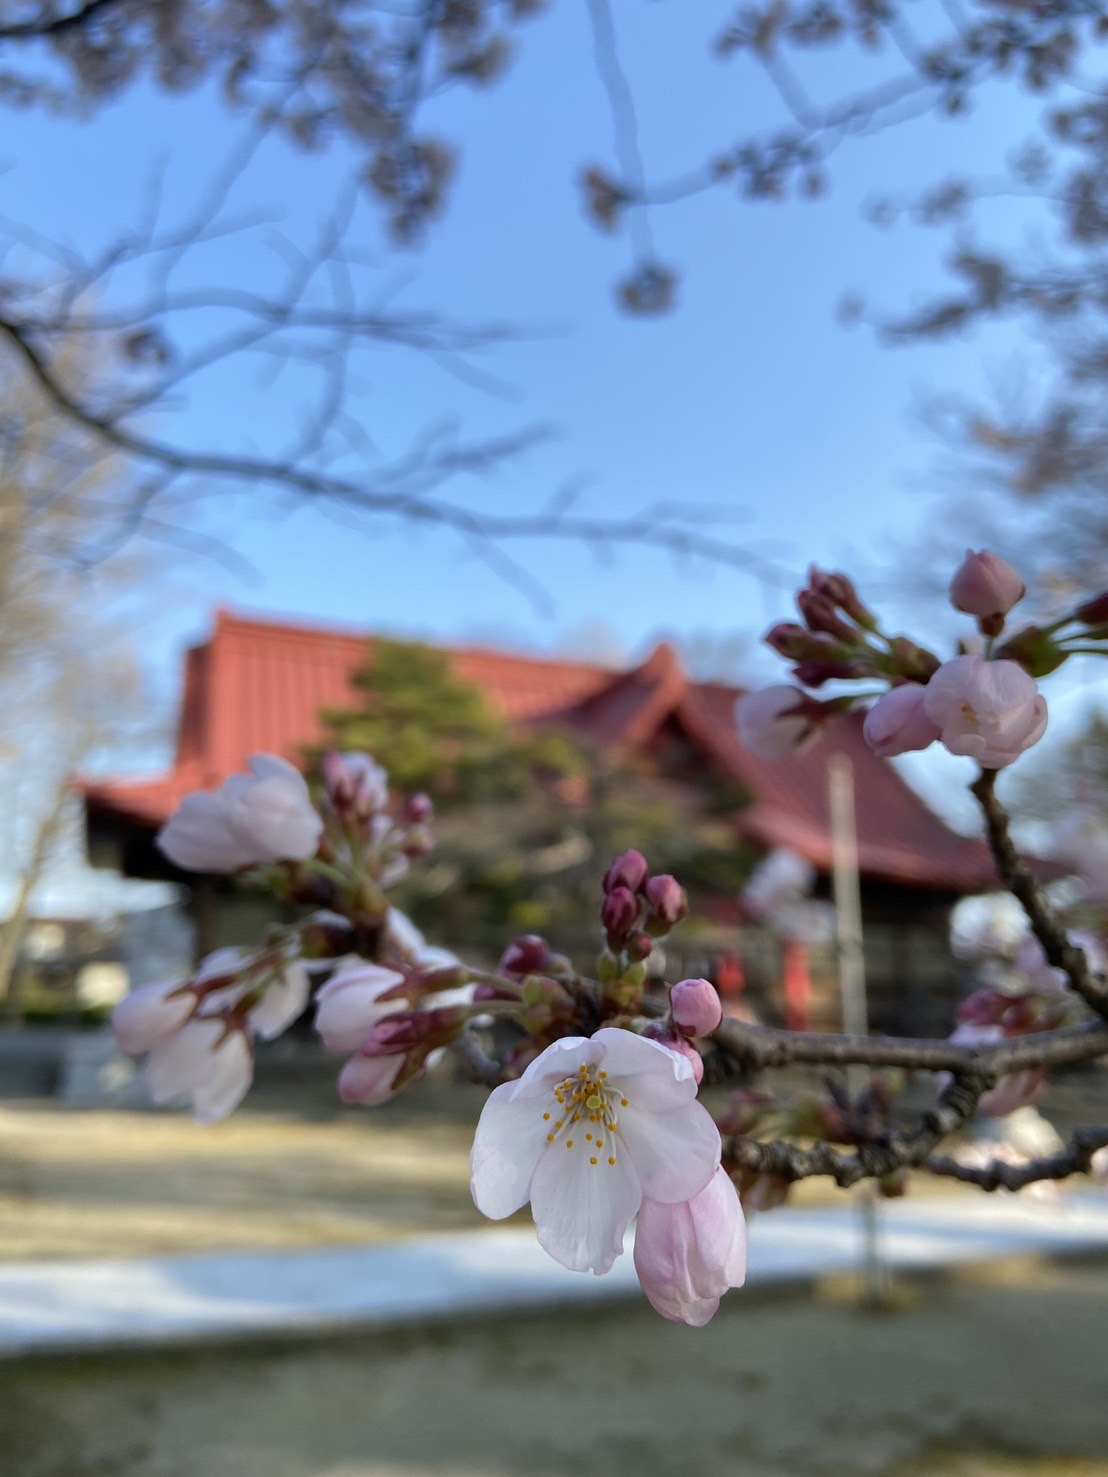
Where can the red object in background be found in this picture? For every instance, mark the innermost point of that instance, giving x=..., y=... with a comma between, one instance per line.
x=798, y=986
x=730, y=979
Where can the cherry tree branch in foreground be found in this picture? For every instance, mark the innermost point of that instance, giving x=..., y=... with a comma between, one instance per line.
x=1023, y=887
x=1075, y=1158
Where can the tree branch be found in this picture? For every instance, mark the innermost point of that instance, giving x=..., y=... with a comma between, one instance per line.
x=1075, y=1158
x=891, y=1152
x=752, y=1048
x=1023, y=887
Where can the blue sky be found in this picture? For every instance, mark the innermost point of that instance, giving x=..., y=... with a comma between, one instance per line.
x=751, y=396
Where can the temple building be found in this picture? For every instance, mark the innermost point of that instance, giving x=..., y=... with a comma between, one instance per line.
x=262, y=686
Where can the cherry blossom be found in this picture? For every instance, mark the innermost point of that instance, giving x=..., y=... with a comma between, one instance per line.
x=265, y=816
x=196, y=1033
x=593, y=1126
x=988, y=711
x=777, y=722
x=985, y=585
x=152, y=1014
x=207, y=1064
x=687, y=1255
x=898, y=723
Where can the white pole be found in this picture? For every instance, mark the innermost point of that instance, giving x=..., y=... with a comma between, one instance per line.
x=852, y=981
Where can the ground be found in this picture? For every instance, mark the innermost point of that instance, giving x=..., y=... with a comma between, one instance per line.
x=998, y=1373
x=962, y=1379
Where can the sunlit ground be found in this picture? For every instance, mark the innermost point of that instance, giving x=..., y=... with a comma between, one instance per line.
x=290, y=1168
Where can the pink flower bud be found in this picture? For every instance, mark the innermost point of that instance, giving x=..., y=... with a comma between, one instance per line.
x=528, y=954
x=355, y=784
x=419, y=810
x=369, y=1080
x=350, y=1005
x=839, y=589
x=820, y=615
x=815, y=674
x=620, y=910
x=988, y=711
x=985, y=585
x=778, y=722
x=1094, y=612
x=150, y=1015
x=898, y=724
x=628, y=870
x=667, y=899
x=639, y=947
x=414, y=1031
x=675, y=1042
x=798, y=644
x=695, y=1006
x=688, y=1255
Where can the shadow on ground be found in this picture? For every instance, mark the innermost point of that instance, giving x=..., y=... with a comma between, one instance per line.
x=962, y=1379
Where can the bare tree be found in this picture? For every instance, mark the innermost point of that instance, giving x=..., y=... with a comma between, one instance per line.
x=69, y=682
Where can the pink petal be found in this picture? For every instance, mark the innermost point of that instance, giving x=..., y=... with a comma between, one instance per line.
x=688, y=1255
x=369, y=1080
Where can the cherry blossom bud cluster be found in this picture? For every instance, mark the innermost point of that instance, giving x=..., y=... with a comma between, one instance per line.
x=638, y=907
x=365, y=835
x=391, y=1022
x=989, y=711
x=196, y=1033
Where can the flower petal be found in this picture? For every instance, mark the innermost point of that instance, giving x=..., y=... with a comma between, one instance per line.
x=199, y=837
x=688, y=1255
x=675, y=1153
x=283, y=1002
x=229, y=1076
x=510, y=1140
x=369, y=1080
x=582, y=1210
x=658, y=1079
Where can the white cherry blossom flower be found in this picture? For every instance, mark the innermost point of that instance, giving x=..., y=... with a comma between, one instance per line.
x=207, y=1064
x=264, y=816
x=592, y=1126
x=150, y=1015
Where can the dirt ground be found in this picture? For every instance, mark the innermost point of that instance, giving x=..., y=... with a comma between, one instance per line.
x=291, y=1168
x=962, y=1379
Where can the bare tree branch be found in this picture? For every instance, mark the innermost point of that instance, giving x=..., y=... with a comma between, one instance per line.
x=1075, y=1158
x=1023, y=887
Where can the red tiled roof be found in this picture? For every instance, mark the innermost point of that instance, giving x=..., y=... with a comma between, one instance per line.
x=259, y=686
